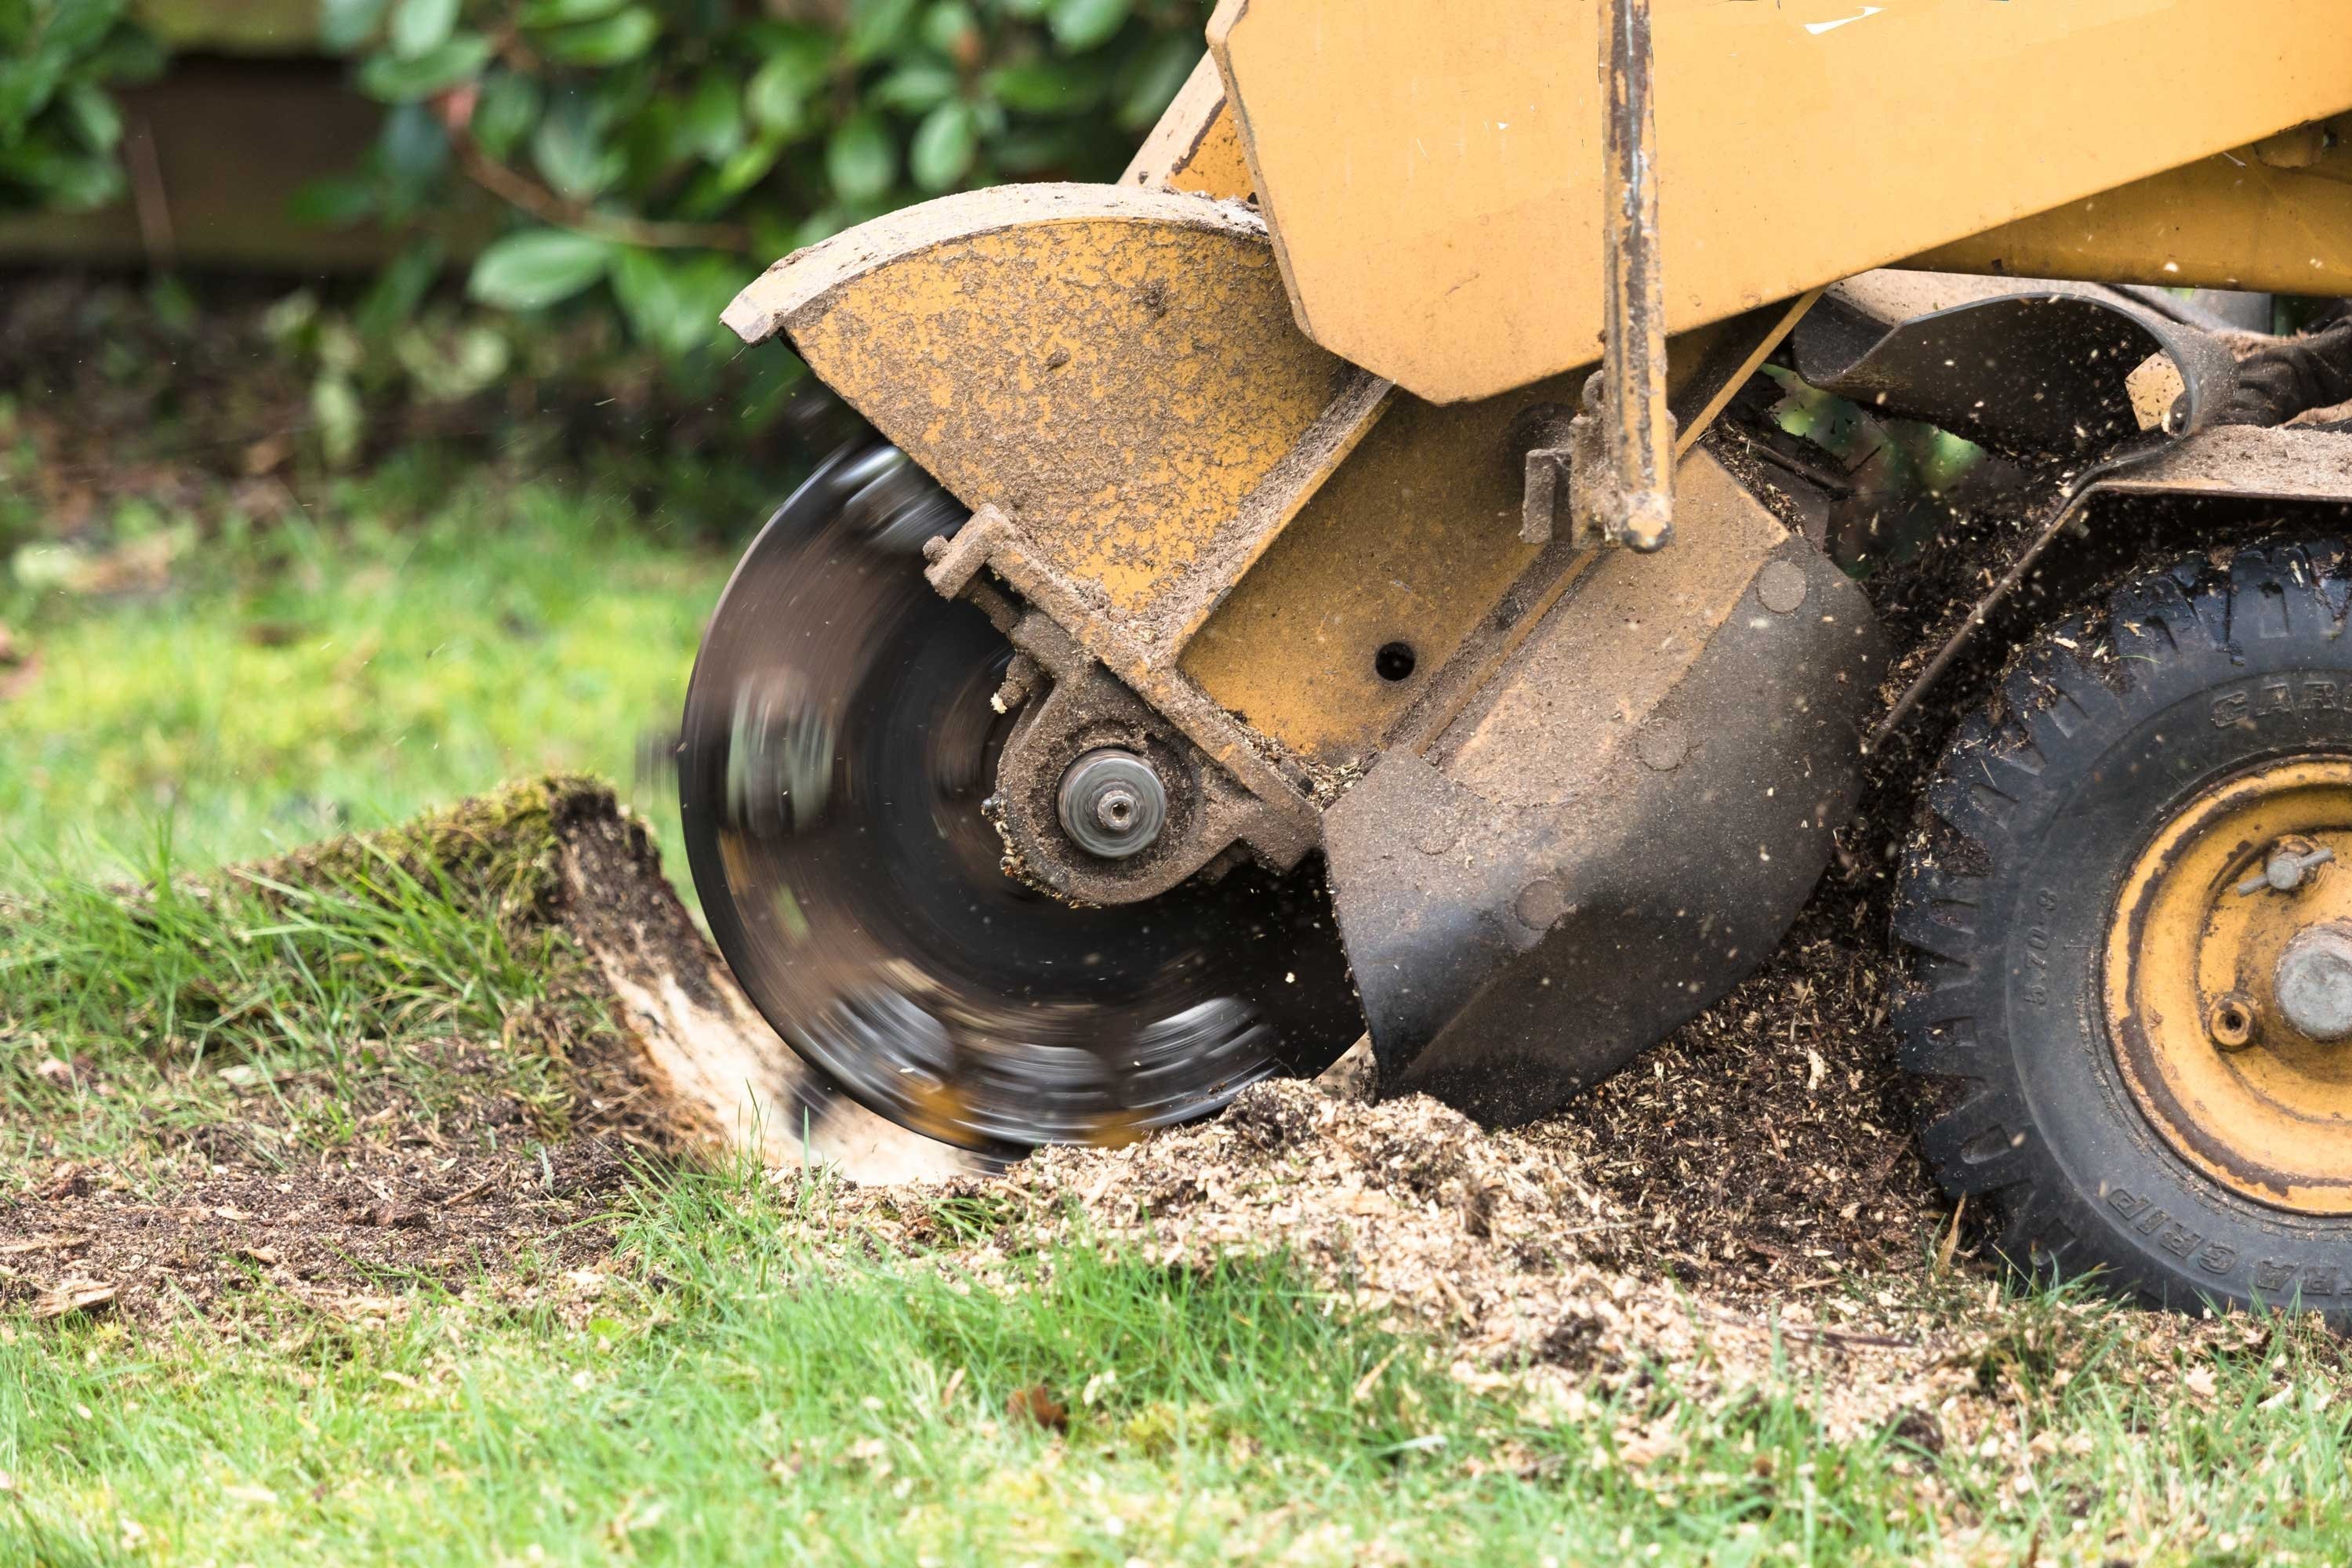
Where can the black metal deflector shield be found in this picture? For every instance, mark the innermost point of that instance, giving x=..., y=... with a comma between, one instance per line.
x=1621, y=826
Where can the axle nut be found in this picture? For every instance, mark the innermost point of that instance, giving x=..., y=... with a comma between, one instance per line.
x=2313, y=983
x=1112, y=804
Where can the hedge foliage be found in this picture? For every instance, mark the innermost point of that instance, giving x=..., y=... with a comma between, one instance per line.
x=660, y=152
x=59, y=131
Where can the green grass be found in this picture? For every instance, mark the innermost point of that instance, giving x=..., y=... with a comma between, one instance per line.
x=315, y=985
x=737, y=1395
x=418, y=636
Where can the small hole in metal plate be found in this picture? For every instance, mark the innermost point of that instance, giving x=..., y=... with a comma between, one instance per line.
x=1395, y=661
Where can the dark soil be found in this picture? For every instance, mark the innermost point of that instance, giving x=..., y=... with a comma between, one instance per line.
x=339, y=1232
x=476, y=1192
x=481, y=1167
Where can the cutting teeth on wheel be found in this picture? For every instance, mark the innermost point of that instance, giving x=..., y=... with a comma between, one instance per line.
x=839, y=747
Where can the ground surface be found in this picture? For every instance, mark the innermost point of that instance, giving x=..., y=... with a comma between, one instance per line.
x=341, y=1219
x=348, y=1227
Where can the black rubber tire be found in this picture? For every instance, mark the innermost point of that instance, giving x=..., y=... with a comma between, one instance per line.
x=2031, y=822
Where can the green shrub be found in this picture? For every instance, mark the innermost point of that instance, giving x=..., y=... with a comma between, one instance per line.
x=657, y=153
x=58, y=128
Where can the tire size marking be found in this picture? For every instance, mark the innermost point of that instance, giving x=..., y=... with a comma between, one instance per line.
x=2039, y=941
x=2242, y=705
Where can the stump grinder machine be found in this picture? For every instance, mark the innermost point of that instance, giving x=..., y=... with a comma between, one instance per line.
x=1346, y=578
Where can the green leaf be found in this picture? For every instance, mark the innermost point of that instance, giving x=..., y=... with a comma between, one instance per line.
x=420, y=26
x=951, y=29
x=505, y=112
x=1152, y=79
x=96, y=123
x=674, y=302
x=719, y=186
x=531, y=271
x=711, y=124
x=539, y=14
x=944, y=146
x=777, y=98
x=75, y=26
x=571, y=153
x=1049, y=87
x=413, y=147
x=862, y=158
x=78, y=183
x=1079, y=26
x=392, y=299
x=914, y=89
x=345, y=24
x=618, y=39
x=877, y=27
x=390, y=80
x=336, y=201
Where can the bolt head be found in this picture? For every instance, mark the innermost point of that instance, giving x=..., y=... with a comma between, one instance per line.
x=1112, y=804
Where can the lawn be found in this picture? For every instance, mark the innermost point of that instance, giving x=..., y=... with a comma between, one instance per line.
x=401, y=640
x=671, y=1359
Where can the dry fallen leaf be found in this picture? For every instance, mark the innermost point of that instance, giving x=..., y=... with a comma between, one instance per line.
x=68, y=1182
x=1036, y=1403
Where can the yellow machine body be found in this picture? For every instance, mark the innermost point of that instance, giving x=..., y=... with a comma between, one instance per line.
x=1254, y=435
x=1433, y=176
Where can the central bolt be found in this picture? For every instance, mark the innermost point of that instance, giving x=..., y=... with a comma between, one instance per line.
x=2313, y=982
x=1112, y=804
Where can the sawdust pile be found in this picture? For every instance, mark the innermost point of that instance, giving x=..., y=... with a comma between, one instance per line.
x=1506, y=1249
x=1749, y=1190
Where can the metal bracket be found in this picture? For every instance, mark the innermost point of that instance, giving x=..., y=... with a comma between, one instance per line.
x=1618, y=457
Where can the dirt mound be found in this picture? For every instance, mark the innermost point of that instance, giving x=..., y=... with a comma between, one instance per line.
x=480, y=1163
x=1512, y=1249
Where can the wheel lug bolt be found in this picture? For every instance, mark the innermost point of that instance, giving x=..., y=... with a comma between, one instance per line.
x=2231, y=1021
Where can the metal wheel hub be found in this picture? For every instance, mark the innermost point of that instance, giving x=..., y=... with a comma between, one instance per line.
x=2227, y=984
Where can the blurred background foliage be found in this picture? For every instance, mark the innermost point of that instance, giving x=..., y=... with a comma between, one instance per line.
x=605, y=175
x=59, y=129
x=654, y=154
x=315, y=536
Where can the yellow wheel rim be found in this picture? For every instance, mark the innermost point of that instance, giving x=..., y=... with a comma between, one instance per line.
x=2228, y=984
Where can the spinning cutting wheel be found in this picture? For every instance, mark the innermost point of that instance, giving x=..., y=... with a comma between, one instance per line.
x=839, y=753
